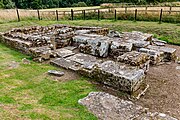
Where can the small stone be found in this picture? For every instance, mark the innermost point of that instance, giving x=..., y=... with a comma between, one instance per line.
x=25, y=61
x=56, y=73
x=178, y=68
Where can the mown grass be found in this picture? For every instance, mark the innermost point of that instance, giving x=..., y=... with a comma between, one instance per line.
x=27, y=92
x=165, y=31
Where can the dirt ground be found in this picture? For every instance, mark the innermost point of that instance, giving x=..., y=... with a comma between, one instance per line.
x=163, y=94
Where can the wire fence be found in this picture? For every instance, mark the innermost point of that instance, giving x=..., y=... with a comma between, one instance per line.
x=158, y=14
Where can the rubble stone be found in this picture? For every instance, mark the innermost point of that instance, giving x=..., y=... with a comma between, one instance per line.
x=56, y=73
x=135, y=58
x=113, y=33
x=109, y=107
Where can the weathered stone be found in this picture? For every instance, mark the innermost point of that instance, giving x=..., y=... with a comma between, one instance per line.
x=138, y=36
x=118, y=48
x=82, y=58
x=169, y=53
x=138, y=44
x=62, y=62
x=96, y=46
x=155, y=56
x=80, y=32
x=118, y=76
x=177, y=67
x=63, y=52
x=25, y=61
x=17, y=44
x=55, y=73
x=109, y=107
x=159, y=41
x=135, y=58
x=113, y=33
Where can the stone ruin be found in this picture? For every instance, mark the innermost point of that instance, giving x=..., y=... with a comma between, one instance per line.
x=118, y=60
x=109, y=107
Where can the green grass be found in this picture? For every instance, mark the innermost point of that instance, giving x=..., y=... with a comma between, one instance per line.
x=27, y=92
x=165, y=31
x=69, y=8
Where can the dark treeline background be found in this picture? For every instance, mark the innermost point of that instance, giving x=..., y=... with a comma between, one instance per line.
x=39, y=4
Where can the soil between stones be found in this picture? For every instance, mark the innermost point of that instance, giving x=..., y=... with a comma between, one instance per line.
x=163, y=94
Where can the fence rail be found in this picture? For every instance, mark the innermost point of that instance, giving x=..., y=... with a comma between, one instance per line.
x=145, y=13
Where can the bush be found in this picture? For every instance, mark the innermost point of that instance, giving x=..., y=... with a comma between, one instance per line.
x=82, y=4
x=74, y=5
x=1, y=5
x=10, y=5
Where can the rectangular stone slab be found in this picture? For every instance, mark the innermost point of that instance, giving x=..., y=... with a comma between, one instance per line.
x=169, y=53
x=118, y=76
x=63, y=52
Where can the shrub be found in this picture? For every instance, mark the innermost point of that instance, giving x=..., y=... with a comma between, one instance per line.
x=1, y=5
x=82, y=4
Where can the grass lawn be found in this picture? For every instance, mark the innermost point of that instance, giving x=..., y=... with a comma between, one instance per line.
x=27, y=92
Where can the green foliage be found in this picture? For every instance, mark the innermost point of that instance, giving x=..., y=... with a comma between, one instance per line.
x=37, y=4
x=8, y=4
x=1, y=5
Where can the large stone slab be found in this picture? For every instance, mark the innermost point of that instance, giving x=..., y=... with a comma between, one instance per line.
x=63, y=52
x=96, y=46
x=119, y=76
x=119, y=47
x=169, y=53
x=109, y=107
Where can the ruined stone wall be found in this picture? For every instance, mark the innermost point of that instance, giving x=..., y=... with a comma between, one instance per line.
x=118, y=60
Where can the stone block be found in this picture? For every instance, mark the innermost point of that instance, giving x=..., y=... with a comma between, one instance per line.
x=120, y=77
x=63, y=53
x=169, y=53
x=118, y=48
x=134, y=58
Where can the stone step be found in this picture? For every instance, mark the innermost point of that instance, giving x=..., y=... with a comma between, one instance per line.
x=118, y=76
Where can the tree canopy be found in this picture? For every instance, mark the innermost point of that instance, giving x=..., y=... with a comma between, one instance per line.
x=38, y=4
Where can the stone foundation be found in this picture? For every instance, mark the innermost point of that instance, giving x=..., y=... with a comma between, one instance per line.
x=118, y=60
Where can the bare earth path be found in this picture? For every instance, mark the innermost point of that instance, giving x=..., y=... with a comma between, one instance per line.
x=163, y=94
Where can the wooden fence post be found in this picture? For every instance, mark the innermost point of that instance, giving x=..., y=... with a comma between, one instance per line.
x=170, y=9
x=57, y=17
x=135, y=17
x=126, y=9
x=18, y=15
x=115, y=14
x=84, y=14
x=160, y=19
x=38, y=14
x=72, y=14
x=98, y=14
x=146, y=9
